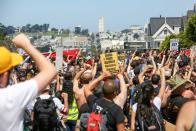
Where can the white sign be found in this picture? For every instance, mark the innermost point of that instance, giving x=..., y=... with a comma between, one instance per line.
x=59, y=58
x=174, y=43
x=193, y=47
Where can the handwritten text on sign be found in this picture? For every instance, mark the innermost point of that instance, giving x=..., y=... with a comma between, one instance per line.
x=109, y=62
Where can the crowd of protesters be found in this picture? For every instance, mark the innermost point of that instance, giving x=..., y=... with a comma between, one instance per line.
x=151, y=90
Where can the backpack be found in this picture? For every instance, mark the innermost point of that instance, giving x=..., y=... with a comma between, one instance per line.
x=45, y=116
x=155, y=123
x=96, y=120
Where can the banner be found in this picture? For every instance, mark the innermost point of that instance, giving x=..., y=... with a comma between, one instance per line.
x=185, y=51
x=71, y=53
x=109, y=62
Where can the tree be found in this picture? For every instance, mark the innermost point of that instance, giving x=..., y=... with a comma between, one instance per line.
x=92, y=37
x=10, y=30
x=67, y=31
x=126, y=31
x=190, y=30
x=54, y=30
x=85, y=32
x=45, y=27
x=35, y=28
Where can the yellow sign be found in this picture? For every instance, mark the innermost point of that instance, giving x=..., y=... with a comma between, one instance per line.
x=109, y=62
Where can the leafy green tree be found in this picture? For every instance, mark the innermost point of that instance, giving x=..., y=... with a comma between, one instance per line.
x=190, y=30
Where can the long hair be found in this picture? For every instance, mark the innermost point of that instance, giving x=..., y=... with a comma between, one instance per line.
x=68, y=87
x=145, y=106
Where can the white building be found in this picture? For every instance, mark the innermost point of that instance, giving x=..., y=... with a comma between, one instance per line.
x=101, y=24
x=160, y=27
x=76, y=42
x=111, y=44
x=135, y=38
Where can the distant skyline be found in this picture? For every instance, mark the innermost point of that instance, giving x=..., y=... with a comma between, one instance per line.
x=118, y=14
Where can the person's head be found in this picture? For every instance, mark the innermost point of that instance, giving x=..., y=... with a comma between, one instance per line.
x=155, y=79
x=148, y=92
x=77, y=68
x=109, y=89
x=86, y=77
x=68, y=75
x=135, y=80
x=137, y=70
x=7, y=61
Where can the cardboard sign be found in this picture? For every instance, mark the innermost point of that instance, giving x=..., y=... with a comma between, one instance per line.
x=109, y=62
x=59, y=58
x=174, y=43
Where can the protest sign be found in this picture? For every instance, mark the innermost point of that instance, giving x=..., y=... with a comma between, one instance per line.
x=59, y=58
x=194, y=47
x=109, y=62
x=174, y=43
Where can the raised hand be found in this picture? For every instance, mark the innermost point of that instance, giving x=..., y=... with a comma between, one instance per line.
x=21, y=41
x=106, y=74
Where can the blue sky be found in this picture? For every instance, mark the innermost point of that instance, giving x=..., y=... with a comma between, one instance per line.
x=118, y=14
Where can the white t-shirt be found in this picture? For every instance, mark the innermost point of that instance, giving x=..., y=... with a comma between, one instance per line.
x=156, y=102
x=13, y=100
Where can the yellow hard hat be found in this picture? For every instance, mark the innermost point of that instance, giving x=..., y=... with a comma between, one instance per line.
x=8, y=59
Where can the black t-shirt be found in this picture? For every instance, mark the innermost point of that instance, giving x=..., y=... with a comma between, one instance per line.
x=115, y=114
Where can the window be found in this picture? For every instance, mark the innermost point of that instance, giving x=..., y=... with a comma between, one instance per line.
x=165, y=32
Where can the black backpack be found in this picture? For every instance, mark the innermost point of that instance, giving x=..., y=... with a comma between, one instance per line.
x=45, y=116
x=155, y=123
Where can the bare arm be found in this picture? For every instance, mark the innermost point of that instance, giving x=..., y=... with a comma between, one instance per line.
x=186, y=117
x=88, y=89
x=94, y=70
x=76, y=81
x=65, y=98
x=58, y=83
x=130, y=61
x=133, y=114
x=141, y=75
x=165, y=97
x=163, y=84
x=162, y=62
x=121, y=98
x=154, y=65
x=46, y=68
x=120, y=126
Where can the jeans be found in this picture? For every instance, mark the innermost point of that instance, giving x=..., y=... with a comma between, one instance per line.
x=70, y=125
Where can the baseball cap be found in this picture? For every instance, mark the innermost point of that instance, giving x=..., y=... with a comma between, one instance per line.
x=8, y=59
